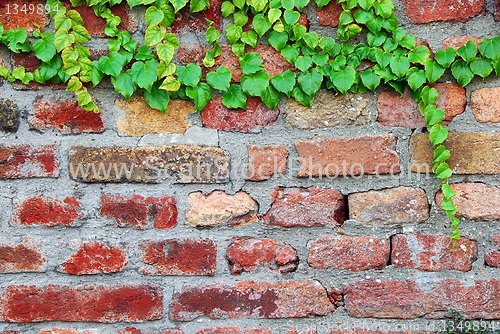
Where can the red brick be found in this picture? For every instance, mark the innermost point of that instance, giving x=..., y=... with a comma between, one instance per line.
x=456, y=42
x=425, y=11
x=471, y=152
x=486, y=105
x=219, y=208
x=492, y=259
x=256, y=116
x=26, y=256
x=185, y=21
x=475, y=201
x=10, y=332
x=363, y=331
x=233, y=330
x=474, y=299
x=68, y=331
x=432, y=252
x=247, y=254
x=402, y=111
x=251, y=299
x=348, y=157
x=497, y=10
x=392, y=206
x=94, y=258
x=46, y=211
x=94, y=303
x=179, y=257
x=294, y=207
x=272, y=60
x=266, y=161
x=294, y=330
x=28, y=161
x=64, y=115
x=132, y=330
x=22, y=19
x=349, y=253
x=329, y=15
x=96, y=25
x=137, y=211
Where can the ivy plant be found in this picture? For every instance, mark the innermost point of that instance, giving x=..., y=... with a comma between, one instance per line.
x=393, y=57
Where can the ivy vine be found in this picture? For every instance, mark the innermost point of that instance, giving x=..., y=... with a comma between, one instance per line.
x=149, y=69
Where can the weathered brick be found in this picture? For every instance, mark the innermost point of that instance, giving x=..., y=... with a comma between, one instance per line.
x=179, y=257
x=46, y=211
x=348, y=157
x=392, y=206
x=26, y=256
x=365, y=331
x=266, y=161
x=492, y=259
x=233, y=330
x=96, y=25
x=471, y=152
x=138, y=211
x=22, y=17
x=329, y=110
x=95, y=257
x=294, y=207
x=182, y=163
x=10, y=332
x=251, y=299
x=132, y=330
x=254, y=118
x=476, y=299
x=432, y=252
x=425, y=11
x=68, y=331
x=64, y=115
x=140, y=119
x=247, y=254
x=294, y=330
x=219, y=208
x=186, y=22
x=272, y=60
x=349, y=253
x=497, y=10
x=28, y=161
x=475, y=201
x=486, y=105
x=9, y=116
x=402, y=111
x=456, y=42
x=95, y=303
x=329, y=15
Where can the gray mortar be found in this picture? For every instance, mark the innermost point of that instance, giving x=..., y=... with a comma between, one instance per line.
x=93, y=227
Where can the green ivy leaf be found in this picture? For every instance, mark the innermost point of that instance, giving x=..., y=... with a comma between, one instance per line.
x=468, y=51
x=165, y=52
x=441, y=154
x=300, y=4
x=370, y=79
x=416, y=79
x=251, y=63
x=445, y=57
x=419, y=55
x=290, y=53
x=320, y=59
x=447, y=191
x=429, y=95
x=273, y=15
x=303, y=63
x=144, y=53
x=124, y=84
x=311, y=39
x=255, y=84
x=299, y=31
x=234, y=98
x=481, y=67
x=310, y=82
x=145, y=73
x=490, y=48
x=168, y=15
x=238, y=49
x=288, y=4
x=189, y=75
x=170, y=84
x=212, y=35
x=249, y=37
x=261, y=24
x=44, y=48
x=443, y=172
x=302, y=97
x=259, y=5
x=462, y=72
x=366, y=4
x=384, y=8
x=227, y=8
x=433, y=115
x=111, y=64
x=278, y=40
x=376, y=39
x=400, y=65
x=343, y=80
x=154, y=16
x=220, y=78
x=178, y=4
x=291, y=17
x=47, y=70
x=433, y=71
x=81, y=34
x=271, y=97
x=408, y=42
x=240, y=18
x=284, y=82
x=201, y=94
x=233, y=33
x=437, y=134
x=157, y=98
x=74, y=84
x=95, y=74
x=84, y=98
x=153, y=35
x=71, y=67
x=62, y=39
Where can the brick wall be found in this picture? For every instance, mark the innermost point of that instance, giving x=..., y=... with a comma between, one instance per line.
x=292, y=220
